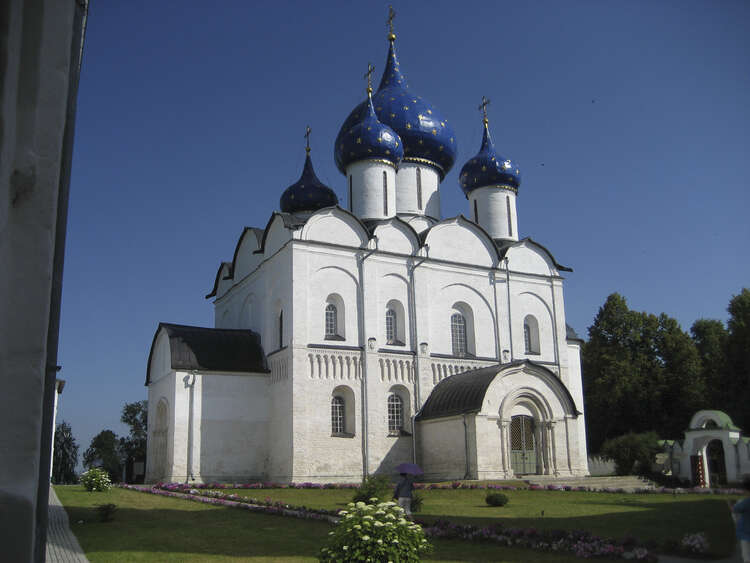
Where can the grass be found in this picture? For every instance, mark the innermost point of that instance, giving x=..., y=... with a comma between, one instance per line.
x=154, y=528
x=656, y=517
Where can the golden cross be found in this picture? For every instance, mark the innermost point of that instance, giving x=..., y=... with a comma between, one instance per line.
x=483, y=108
x=307, y=139
x=391, y=15
x=368, y=75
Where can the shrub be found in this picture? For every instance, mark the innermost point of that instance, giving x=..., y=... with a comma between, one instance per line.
x=496, y=499
x=417, y=501
x=369, y=532
x=632, y=452
x=95, y=479
x=106, y=511
x=374, y=486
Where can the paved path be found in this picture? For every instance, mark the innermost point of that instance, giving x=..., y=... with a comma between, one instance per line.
x=62, y=545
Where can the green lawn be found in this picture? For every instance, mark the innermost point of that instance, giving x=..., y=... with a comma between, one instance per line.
x=154, y=528
x=644, y=516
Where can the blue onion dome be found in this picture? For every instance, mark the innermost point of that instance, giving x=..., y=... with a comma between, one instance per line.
x=424, y=132
x=308, y=193
x=368, y=139
x=488, y=168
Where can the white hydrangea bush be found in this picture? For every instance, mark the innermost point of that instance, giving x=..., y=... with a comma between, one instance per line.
x=375, y=532
x=95, y=479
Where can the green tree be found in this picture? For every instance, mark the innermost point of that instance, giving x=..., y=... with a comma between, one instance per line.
x=640, y=372
x=738, y=358
x=104, y=452
x=710, y=338
x=135, y=416
x=65, y=455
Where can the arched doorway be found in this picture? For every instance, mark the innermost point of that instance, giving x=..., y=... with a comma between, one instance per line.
x=523, y=450
x=717, y=469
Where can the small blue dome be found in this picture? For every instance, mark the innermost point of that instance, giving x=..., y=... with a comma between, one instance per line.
x=368, y=139
x=488, y=168
x=308, y=193
x=424, y=132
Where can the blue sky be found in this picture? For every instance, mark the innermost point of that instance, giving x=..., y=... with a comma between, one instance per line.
x=630, y=122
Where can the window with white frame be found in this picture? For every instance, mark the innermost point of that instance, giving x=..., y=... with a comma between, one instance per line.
x=338, y=415
x=531, y=335
x=332, y=328
x=390, y=326
x=395, y=414
x=458, y=334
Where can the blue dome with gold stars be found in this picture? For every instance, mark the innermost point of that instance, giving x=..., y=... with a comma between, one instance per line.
x=308, y=193
x=424, y=132
x=368, y=139
x=488, y=168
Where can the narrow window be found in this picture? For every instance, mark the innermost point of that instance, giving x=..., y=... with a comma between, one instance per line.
x=476, y=213
x=281, y=328
x=395, y=414
x=510, y=221
x=419, y=189
x=385, y=193
x=531, y=335
x=390, y=326
x=351, y=203
x=331, y=321
x=337, y=415
x=458, y=334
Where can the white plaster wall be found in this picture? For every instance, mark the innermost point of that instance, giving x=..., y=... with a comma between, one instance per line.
x=492, y=206
x=247, y=260
x=396, y=237
x=281, y=430
x=367, y=189
x=418, y=222
x=533, y=297
x=276, y=237
x=334, y=226
x=392, y=285
x=527, y=258
x=456, y=240
x=442, y=448
x=330, y=274
x=162, y=387
x=233, y=429
x=406, y=190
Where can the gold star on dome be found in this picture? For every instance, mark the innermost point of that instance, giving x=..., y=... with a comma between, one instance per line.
x=434, y=131
x=429, y=111
x=408, y=125
x=406, y=108
x=359, y=140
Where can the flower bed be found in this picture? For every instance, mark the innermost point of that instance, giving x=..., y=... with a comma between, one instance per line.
x=453, y=485
x=580, y=543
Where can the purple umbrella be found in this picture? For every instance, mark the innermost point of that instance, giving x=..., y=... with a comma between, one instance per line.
x=409, y=469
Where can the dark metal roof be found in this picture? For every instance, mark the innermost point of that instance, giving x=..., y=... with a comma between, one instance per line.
x=464, y=393
x=458, y=394
x=571, y=334
x=212, y=349
x=218, y=278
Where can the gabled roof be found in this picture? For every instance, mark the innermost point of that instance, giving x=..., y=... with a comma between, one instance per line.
x=211, y=349
x=504, y=245
x=463, y=393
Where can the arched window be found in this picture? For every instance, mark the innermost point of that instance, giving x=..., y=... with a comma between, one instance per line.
x=331, y=321
x=338, y=416
x=281, y=329
x=476, y=212
x=395, y=414
x=385, y=193
x=458, y=334
x=390, y=326
x=351, y=203
x=531, y=335
x=419, y=189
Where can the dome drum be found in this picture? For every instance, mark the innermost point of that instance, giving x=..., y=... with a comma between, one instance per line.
x=494, y=209
x=372, y=189
x=418, y=189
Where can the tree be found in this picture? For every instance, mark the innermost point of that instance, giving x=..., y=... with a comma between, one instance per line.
x=738, y=358
x=104, y=452
x=65, y=455
x=133, y=447
x=710, y=338
x=640, y=372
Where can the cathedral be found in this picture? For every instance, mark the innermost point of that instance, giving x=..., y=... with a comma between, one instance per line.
x=351, y=338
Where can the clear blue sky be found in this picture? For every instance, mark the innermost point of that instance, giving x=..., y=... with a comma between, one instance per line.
x=630, y=122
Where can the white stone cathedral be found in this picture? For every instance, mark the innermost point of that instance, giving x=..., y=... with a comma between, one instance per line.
x=350, y=340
